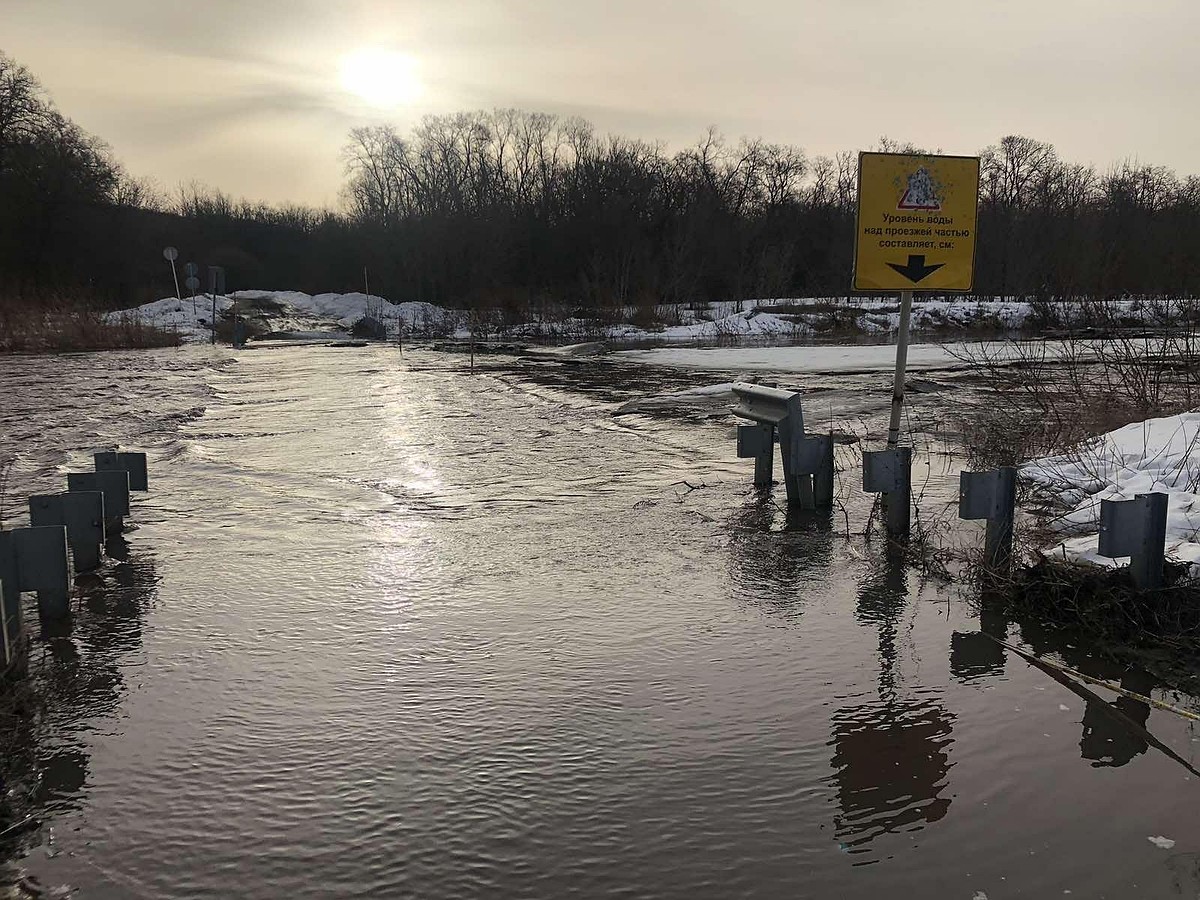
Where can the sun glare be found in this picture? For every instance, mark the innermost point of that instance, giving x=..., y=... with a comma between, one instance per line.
x=383, y=78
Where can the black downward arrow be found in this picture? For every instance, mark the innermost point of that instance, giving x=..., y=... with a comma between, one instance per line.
x=916, y=270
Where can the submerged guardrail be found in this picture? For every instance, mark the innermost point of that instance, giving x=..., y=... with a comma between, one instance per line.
x=808, y=468
x=67, y=534
x=1134, y=528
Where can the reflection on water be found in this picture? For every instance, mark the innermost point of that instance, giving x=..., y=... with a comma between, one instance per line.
x=1105, y=741
x=776, y=554
x=76, y=669
x=1110, y=736
x=891, y=756
x=976, y=654
x=892, y=764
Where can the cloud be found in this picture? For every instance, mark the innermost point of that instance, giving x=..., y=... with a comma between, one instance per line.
x=149, y=76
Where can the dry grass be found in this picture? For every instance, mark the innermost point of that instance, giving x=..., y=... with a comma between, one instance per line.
x=1159, y=628
x=65, y=327
x=1037, y=399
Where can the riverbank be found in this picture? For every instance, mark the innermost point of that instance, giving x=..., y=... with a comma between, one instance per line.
x=71, y=329
x=282, y=313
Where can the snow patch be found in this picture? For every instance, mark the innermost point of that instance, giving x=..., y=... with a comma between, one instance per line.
x=293, y=312
x=812, y=359
x=1158, y=455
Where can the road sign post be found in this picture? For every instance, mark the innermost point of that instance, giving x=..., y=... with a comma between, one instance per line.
x=216, y=285
x=170, y=254
x=915, y=231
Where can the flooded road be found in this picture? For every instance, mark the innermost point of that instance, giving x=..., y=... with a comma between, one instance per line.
x=390, y=629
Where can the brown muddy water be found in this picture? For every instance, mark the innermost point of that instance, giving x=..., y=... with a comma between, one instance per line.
x=389, y=629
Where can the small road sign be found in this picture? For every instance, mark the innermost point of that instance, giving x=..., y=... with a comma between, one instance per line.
x=170, y=254
x=216, y=280
x=191, y=270
x=916, y=222
x=193, y=283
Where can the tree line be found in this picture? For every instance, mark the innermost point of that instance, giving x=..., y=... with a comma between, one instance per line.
x=516, y=209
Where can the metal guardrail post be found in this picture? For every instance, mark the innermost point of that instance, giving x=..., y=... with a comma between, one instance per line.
x=758, y=442
x=889, y=472
x=808, y=465
x=798, y=483
x=815, y=457
x=133, y=463
x=82, y=514
x=35, y=559
x=115, y=487
x=1136, y=528
x=991, y=496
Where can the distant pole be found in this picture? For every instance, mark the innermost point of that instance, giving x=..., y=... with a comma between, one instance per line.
x=213, y=294
x=170, y=254
x=901, y=365
x=366, y=283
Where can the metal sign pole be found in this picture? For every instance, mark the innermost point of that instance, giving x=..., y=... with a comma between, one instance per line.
x=170, y=254
x=901, y=365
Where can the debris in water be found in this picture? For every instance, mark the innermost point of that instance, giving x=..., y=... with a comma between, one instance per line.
x=1163, y=843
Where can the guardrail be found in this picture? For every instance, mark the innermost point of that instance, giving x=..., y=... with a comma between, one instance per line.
x=66, y=535
x=1134, y=528
x=889, y=472
x=808, y=468
x=991, y=496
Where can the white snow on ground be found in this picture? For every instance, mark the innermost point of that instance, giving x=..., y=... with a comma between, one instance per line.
x=750, y=323
x=753, y=320
x=346, y=309
x=814, y=359
x=190, y=319
x=293, y=311
x=1144, y=457
x=880, y=315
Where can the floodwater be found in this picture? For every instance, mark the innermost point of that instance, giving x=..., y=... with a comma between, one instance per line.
x=387, y=628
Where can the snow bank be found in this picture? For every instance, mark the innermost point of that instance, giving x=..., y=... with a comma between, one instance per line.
x=748, y=324
x=189, y=318
x=812, y=359
x=928, y=315
x=753, y=320
x=881, y=315
x=1156, y=455
x=293, y=311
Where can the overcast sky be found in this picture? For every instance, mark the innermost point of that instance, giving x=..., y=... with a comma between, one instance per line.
x=251, y=95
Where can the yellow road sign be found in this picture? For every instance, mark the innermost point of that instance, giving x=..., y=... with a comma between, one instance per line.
x=916, y=222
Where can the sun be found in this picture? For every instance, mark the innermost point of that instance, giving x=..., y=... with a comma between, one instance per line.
x=383, y=78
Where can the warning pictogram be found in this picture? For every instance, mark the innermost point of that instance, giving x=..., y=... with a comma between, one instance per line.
x=920, y=193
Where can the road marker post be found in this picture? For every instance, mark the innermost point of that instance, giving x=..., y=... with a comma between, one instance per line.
x=889, y=472
x=82, y=514
x=1136, y=528
x=991, y=496
x=115, y=487
x=35, y=559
